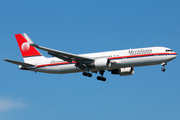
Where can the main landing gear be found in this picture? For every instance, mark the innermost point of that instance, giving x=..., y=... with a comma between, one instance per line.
x=164, y=65
x=98, y=77
x=101, y=77
x=87, y=74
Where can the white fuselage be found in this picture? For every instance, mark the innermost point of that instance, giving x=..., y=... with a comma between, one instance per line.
x=118, y=59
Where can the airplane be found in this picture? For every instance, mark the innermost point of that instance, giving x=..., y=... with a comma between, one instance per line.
x=120, y=62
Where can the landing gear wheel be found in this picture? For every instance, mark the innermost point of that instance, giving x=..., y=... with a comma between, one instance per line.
x=87, y=74
x=163, y=69
x=101, y=78
x=84, y=73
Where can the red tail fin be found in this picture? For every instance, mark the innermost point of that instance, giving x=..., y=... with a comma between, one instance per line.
x=26, y=49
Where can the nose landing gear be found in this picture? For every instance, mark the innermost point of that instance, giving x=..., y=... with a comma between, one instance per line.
x=163, y=69
x=164, y=65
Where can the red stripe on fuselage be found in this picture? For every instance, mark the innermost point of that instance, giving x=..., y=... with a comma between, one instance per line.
x=121, y=57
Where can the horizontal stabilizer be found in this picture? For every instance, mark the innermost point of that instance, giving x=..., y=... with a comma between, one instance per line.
x=19, y=63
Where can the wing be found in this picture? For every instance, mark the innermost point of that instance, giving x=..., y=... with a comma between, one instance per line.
x=19, y=63
x=59, y=54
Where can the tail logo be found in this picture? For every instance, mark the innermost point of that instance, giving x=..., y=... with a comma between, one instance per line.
x=25, y=46
x=26, y=49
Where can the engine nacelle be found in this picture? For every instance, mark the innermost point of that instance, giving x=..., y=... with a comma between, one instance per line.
x=123, y=71
x=102, y=63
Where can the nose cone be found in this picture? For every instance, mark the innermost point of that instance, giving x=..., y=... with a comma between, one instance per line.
x=174, y=55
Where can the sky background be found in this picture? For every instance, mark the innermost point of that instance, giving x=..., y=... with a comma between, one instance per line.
x=84, y=27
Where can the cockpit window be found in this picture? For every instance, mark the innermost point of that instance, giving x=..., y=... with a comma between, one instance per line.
x=169, y=50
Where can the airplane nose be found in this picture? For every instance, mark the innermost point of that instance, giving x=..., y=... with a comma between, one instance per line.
x=175, y=55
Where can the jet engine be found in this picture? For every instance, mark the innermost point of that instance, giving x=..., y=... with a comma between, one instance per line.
x=101, y=63
x=123, y=71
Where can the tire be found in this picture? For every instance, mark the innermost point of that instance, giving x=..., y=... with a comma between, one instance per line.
x=163, y=69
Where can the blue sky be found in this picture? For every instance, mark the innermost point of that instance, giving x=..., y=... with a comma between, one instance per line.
x=85, y=27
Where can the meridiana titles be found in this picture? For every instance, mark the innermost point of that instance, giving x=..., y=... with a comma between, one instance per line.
x=140, y=51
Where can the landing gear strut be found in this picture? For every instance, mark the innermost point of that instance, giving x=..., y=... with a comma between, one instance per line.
x=87, y=74
x=101, y=77
x=164, y=65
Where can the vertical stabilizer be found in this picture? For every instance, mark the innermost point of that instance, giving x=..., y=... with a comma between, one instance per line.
x=26, y=49
x=29, y=53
